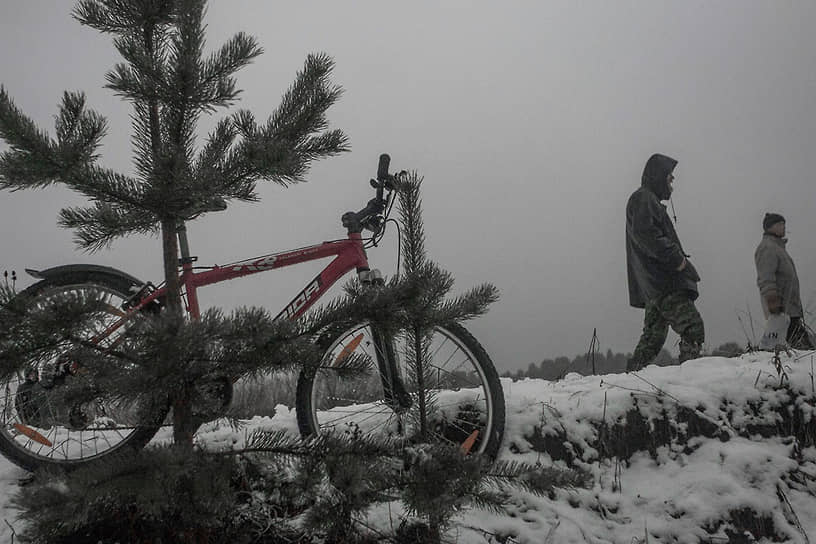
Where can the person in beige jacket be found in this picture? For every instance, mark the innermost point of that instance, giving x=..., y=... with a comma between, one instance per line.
x=777, y=280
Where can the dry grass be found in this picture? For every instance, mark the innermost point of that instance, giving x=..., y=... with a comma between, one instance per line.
x=259, y=396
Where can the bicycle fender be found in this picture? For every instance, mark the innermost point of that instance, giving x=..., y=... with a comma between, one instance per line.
x=71, y=268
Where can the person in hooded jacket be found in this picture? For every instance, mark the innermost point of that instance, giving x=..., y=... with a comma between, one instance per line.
x=777, y=280
x=661, y=279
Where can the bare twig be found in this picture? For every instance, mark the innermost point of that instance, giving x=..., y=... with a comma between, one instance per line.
x=632, y=389
x=750, y=340
x=13, y=532
x=780, y=368
x=379, y=534
x=551, y=532
x=656, y=388
x=485, y=532
x=617, y=483
x=790, y=513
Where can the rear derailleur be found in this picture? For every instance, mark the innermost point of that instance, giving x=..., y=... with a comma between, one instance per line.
x=41, y=399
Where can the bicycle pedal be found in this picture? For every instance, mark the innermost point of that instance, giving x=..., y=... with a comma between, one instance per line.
x=211, y=398
x=399, y=399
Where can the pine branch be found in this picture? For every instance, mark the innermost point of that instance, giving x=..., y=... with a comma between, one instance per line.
x=165, y=355
x=210, y=160
x=98, y=226
x=79, y=131
x=104, y=185
x=472, y=304
x=122, y=16
x=413, y=231
x=280, y=443
x=422, y=378
x=304, y=104
x=489, y=500
x=141, y=78
x=218, y=87
x=36, y=162
x=534, y=479
x=322, y=447
x=434, y=283
x=328, y=144
x=143, y=159
x=31, y=161
x=182, y=94
x=157, y=494
x=281, y=150
x=219, y=169
x=35, y=329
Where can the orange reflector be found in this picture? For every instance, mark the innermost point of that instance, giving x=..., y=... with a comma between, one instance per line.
x=469, y=441
x=32, y=434
x=115, y=311
x=349, y=349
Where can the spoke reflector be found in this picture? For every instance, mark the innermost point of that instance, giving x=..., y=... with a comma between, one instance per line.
x=469, y=441
x=32, y=434
x=348, y=350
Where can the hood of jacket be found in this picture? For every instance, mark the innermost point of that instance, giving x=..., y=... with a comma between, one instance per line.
x=656, y=173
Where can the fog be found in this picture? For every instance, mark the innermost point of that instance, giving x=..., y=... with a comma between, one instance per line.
x=530, y=121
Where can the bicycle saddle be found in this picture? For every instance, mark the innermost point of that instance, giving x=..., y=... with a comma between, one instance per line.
x=212, y=204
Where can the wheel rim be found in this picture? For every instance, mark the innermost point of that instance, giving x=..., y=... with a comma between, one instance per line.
x=61, y=433
x=458, y=399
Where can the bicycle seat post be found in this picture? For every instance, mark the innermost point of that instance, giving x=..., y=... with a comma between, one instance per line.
x=184, y=245
x=186, y=262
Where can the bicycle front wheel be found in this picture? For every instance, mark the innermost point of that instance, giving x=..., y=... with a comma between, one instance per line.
x=456, y=398
x=38, y=427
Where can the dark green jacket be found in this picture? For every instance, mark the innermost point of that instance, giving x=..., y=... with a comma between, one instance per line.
x=653, y=250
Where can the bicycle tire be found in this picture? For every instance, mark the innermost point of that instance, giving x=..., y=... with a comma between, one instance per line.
x=32, y=454
x=480, y=407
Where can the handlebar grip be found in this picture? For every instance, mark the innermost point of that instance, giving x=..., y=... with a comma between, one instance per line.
x=382, y=168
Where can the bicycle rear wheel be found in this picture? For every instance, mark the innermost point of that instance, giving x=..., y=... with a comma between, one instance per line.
x=460, y=392
x=38, y=429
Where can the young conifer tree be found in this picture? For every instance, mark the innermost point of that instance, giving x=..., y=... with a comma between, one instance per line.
x=431, y=308
x=170, y=83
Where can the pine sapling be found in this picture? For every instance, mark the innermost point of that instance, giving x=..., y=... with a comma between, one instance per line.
x=171, y=83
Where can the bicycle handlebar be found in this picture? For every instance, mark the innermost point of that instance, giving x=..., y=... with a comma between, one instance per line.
x=382, y=167
x=368, y=217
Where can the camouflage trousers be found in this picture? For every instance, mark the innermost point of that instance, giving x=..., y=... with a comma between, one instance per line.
x=677, y=310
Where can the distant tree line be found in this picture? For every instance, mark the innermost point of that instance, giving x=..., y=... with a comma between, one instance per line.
x=603, y=363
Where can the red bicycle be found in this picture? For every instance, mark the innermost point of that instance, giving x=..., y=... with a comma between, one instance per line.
x=39, y=430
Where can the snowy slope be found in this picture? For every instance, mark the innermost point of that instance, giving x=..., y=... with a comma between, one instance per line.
x=682, y=488
x=671, y=494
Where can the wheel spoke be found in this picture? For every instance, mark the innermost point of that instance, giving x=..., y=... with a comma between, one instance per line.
x=459, y=398
x=46, y=408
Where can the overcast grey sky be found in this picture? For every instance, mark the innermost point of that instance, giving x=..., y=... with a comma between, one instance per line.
x=531, y=122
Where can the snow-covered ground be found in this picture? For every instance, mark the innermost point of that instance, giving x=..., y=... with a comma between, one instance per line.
x=666, y=497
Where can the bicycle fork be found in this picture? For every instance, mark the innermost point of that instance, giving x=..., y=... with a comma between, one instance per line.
x=396, y=395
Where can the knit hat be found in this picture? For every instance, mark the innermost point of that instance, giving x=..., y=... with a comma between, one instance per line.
x=771, y=219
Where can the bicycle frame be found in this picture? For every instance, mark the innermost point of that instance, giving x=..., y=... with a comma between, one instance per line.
x=349, y=255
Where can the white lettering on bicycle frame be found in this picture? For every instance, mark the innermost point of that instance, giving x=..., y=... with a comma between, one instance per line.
x=263, y=264
x=305, y=296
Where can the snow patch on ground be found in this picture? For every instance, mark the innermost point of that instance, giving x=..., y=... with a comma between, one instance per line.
x=670, y=497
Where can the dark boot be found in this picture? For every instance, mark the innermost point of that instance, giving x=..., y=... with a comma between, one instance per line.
x=689, y=350
x=632, y=365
